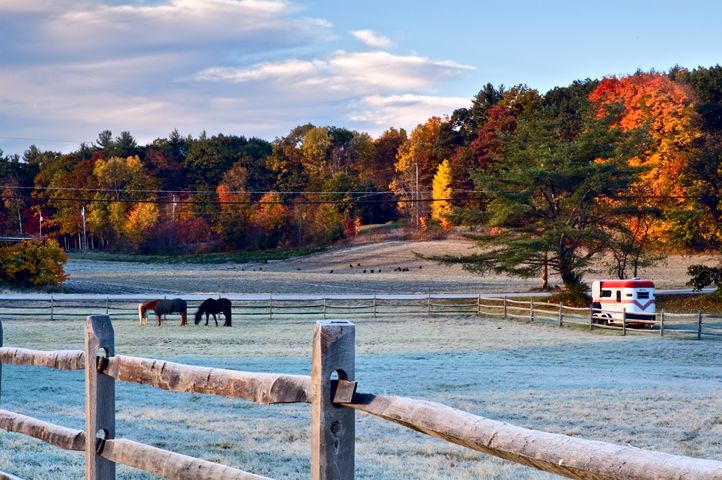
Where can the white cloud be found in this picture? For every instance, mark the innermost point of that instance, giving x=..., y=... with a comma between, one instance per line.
x=372, y=39
x=71, y=68
x=343, y=74
x=403, y=110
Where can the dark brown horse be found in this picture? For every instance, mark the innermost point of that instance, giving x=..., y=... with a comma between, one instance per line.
x=163, y=307
x=212, y=307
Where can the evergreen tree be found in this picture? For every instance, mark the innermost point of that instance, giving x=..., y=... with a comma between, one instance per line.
x=553, y=202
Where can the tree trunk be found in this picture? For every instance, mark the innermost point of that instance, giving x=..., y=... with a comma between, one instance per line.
x=545, y=271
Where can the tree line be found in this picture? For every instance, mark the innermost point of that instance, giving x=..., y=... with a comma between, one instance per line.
x=623, y=166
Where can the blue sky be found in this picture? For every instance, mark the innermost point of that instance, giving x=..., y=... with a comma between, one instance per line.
x=72, y=68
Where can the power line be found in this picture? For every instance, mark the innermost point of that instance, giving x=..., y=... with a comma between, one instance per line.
x=248, y=202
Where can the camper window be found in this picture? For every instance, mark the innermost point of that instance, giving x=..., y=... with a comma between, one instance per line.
x=642, y=295
x=619, y=295
x=606, y=294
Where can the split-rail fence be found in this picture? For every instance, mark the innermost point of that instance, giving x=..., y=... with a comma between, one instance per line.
x=333, y=406
x=532, y=308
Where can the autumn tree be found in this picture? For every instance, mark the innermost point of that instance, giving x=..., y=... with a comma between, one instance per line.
x=547, y=195
x=416, y=154
x=441, y=192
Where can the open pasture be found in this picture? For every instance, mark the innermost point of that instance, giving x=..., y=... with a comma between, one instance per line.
x=659, y=394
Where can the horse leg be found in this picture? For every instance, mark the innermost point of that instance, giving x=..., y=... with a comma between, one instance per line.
x=207, y=317
x=158, y=320
x=216, y=319
x=184, y=320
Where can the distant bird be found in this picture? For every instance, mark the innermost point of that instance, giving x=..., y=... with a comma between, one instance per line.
x=364, y=270
x=260, y=268
x=420, y=267
x=298, y=269
x=350, y=266
x=379, y=270
x=372, y=271
x=243, y=269
x=331, y=271
x=358, y=264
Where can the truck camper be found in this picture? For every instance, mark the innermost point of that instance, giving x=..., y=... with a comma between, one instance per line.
x=611, y=298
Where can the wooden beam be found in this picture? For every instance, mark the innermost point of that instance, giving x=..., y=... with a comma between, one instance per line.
x=170, y=465
x=58, y=359
x=263, y=388
x=7, y=476
x=99, y=396
x=61, y=437
x=332, y=427
x=559, y=454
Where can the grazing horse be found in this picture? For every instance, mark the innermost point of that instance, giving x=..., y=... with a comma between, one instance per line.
x=212, y=307
x=164, y=307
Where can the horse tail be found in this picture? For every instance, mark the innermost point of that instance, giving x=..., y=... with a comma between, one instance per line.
x=199, y=314
x=140, y=313
x=227, y=311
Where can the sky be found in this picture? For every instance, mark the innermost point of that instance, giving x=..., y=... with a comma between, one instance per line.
x=70, y=69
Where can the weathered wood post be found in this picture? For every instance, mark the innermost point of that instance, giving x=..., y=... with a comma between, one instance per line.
x=531, y=310
x=699, y=325
x=591, y=317
x=478, y=304
x=624, y=321
x=324, y=307
x=428, y=304
x=52, y=306
x=561, y=314
x=504, y=307
x=374, y=305
x=99, y=397
x=107, y=304
x=270, y=307
x=332, y=426
x=1, y=365
x=661, y=325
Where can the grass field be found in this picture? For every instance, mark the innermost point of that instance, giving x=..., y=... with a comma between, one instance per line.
x=660, y=394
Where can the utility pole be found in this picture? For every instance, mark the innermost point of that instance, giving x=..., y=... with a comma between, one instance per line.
x=41, y=224
x=174, y=204
x=85, y=240
x=417, y=194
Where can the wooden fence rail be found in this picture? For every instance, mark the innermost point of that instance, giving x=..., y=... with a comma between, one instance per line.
x=333, y=403
x=303, y=306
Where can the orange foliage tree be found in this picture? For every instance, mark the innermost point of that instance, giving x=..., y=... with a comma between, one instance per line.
x=668, y=108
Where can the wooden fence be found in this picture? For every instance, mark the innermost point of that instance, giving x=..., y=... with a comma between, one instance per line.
x=333, y=406
x=58, y=307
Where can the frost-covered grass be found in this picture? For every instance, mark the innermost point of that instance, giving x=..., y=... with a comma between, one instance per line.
x=661, y=394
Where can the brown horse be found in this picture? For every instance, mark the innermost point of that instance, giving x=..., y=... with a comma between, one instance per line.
x=163, y=307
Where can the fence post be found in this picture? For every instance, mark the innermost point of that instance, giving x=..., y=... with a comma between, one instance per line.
x=478, y=303
x=531, y=310
x=99, y=397
x=107, y=305
x=661, y=325
x=699, y=325
x=591, y=317
x=51, y=307
x=374, y=305
x=428, y=304
x=624, y=321
x=1, y=365
x=561, y=314
x=504, y=307
x=324, y=307
x=332, y=427
x=270, y=307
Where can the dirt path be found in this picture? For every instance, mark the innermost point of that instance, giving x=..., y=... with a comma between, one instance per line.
x=341, y=270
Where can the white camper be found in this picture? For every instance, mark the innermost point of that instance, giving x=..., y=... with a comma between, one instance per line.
x=611, y=298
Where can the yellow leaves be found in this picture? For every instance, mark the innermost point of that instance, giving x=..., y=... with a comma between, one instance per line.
x=141, y=218
x=441, y=191
x=33, y=262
